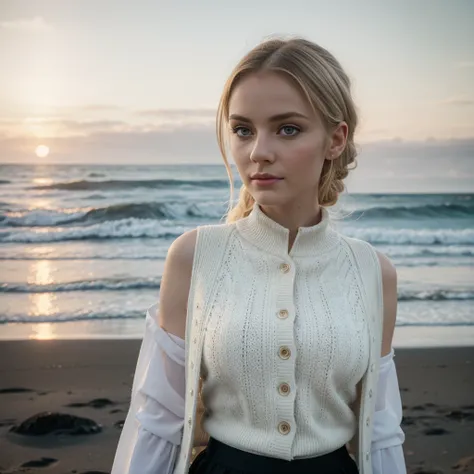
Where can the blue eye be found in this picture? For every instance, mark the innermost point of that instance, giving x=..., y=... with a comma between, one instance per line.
x=241, y=131
x=290, y=130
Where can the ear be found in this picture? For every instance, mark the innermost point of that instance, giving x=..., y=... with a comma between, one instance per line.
x=337, y=141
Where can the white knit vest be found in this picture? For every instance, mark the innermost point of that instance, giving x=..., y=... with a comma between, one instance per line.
x=284, y=346
x=280, y=340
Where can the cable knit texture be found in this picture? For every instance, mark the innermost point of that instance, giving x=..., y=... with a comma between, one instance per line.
x=286, y=341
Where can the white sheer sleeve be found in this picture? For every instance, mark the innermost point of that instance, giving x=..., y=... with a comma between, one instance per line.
x=152, y=431
x=387, y=435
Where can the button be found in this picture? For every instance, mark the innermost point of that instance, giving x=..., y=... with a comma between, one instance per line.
x=191, y=392
x=367, y=456
x=284, y=428
x=372, y=367
x=370, y=393
x=284, y=352
x=283, y=314
x=284, y=267
x=190, y=420
x=367, y=421
x=284, y=389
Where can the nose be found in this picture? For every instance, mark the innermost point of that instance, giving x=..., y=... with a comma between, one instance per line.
x=262, y=150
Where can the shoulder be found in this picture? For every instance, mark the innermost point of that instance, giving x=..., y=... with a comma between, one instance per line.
x=175, y=283
x=389, y=285
x=389, y=278
x=199, y=247
x=389, y=272
x=182, y=249
x=365, y=253
x=376, y=266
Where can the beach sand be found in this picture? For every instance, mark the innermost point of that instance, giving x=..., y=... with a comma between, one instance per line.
x=37, y=376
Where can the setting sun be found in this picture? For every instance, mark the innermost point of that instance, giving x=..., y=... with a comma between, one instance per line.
x=42, y=151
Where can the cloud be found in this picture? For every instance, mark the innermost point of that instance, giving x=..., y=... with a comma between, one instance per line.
x=421, y=154
x=457, y=102
x=370, y=134
x=174, y=114
x=463, y=129
x=91, y=126
x=27, y=25
x=118, y=142
x=60, y=127
x=433, y=165
x=465, y=64
x=191, y=143
x=100, y=108
x=377, y=131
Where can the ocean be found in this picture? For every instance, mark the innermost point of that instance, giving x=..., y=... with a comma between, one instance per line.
x=82, y=248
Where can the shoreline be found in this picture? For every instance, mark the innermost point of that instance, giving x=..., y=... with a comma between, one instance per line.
x=132, y=329
x=93, y=379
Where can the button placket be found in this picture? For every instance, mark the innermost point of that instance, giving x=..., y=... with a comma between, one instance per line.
x=285, y=267
x=284, y=352
x=284, y=427
x=284, y=389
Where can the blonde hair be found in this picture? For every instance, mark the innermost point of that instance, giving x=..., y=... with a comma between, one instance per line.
x=328, y=90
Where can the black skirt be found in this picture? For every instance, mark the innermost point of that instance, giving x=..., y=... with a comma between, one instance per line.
x=219, y=458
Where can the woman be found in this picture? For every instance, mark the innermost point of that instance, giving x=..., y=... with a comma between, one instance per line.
x=272, y=346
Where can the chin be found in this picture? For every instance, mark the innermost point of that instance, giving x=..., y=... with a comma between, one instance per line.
x=269, y=198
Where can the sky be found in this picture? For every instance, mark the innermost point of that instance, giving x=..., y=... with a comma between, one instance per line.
x=114, y=81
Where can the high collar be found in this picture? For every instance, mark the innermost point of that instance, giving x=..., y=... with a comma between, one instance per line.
x=268, y=235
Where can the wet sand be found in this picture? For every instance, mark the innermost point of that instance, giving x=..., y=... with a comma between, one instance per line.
x=92, y=379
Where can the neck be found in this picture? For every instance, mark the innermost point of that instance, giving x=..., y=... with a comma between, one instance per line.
x=283, y=236
x=293, y=219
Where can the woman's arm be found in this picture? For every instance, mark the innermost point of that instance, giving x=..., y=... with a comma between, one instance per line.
x=389, y=282
x=152, y=431
x=387, y=436
x=175, y=284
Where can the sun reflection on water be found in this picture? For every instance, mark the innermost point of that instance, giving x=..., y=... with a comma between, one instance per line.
x=42, y=304
x=40, y=273
x=43, y=331
x=43, y=181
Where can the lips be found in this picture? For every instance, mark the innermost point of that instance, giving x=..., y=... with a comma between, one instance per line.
x=264, y=177
x=265, y=180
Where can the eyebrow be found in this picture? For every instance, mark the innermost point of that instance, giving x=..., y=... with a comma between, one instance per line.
x=274, y=118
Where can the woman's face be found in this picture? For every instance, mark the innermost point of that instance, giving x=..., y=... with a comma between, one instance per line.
x=274, y=130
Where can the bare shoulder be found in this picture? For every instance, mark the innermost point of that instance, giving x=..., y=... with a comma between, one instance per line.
x=389, y=282
x=182, y=249
x=389, y=272
x=175, y=284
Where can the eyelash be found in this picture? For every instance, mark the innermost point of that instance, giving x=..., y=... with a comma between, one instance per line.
x=240, y=127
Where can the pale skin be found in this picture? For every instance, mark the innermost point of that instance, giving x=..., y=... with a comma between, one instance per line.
x=294, y=149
